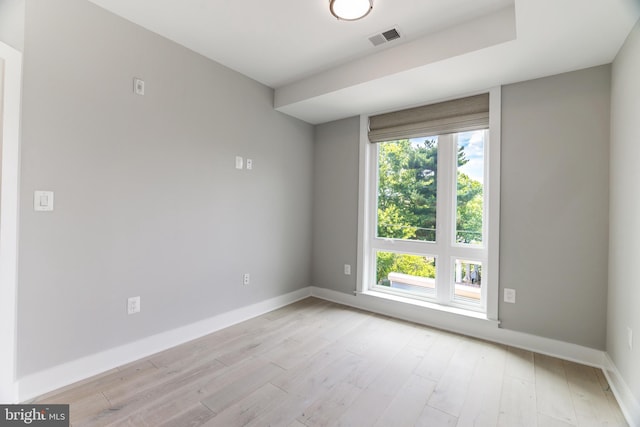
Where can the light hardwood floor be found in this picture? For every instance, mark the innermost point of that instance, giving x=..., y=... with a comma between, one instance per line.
x=315, y=363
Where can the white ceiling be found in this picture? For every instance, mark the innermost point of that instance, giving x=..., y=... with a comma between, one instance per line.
x=323, y=69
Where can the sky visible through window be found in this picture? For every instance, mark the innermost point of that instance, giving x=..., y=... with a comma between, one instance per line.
x=473, y=143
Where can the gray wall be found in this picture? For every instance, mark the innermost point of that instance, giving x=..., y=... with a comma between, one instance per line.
x=1, y=108
x=335, y=204
x=624, y=249
x=147, y=199
x=12, y=23
x=554, y=205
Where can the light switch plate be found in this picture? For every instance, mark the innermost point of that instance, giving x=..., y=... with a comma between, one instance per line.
x=42, y=201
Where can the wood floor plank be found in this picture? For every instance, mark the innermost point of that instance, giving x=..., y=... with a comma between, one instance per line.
x=291, y=352
x=340, y=322
x=318, y=363
x=376, y=397
x=244, y=349
x=451, y=392
x=378, y=361
x=424, y=339
x=481, y=407
x=408, y=403
x=589, y=400
x=85, y=386
x=379, y=343
x=185, y=388
x=99, y=384
x=174, y=401
x=228, y=395
x=553, y=396
x=310, y=386
x=517, y=403
x=376, y=335
x=328, y=408
x=519, y=364
x=235, y=337
x=438, y=356
x=193, y=350
x=545, y=420
x=84, y=408
x=327, y=378
x=286, y=412
x=296, y=307
x=249, y=408
x=431, y=417
x=269, y=337
x=124, y=392
x=193, y=417
x=613, y=403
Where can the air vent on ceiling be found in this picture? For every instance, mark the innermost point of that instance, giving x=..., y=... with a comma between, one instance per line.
x=385, y=36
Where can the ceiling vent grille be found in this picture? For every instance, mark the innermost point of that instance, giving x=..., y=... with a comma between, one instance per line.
x=384, y=37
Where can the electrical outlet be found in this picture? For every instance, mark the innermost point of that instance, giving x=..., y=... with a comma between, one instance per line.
x=510, y=295
x=246, y=279
x=138, y=86
x=630, y=338
x=347, y=269
x=133, y=305
x=249, y=164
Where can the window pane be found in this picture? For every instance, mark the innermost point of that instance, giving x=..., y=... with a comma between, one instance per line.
x=468, y=280
x=470, y=187
x=407, y=171
x=411, y=273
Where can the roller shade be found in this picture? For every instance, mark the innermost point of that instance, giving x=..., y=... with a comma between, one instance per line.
x=458, y=115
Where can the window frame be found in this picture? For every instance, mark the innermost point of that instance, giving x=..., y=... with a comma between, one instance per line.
x=446, y=249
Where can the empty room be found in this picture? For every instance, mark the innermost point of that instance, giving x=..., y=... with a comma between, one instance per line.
x=319, y=212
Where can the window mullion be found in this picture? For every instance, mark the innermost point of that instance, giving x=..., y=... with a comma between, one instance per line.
x=415, y=247
x=446, y=158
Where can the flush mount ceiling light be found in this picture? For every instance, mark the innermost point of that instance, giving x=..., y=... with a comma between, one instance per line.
x=350, y=10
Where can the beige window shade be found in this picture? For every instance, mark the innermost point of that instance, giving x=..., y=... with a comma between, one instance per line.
x=458, y=115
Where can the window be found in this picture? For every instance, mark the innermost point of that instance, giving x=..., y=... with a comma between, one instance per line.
x=427, y=204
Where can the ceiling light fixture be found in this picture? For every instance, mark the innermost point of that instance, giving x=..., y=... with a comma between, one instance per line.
x=350, y=10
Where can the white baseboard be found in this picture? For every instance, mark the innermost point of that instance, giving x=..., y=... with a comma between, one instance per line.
x=478, y=328
x=628, y=404
x=39, y=383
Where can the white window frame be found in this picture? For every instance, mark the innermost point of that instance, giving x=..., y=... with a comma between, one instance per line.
x=445, y=251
